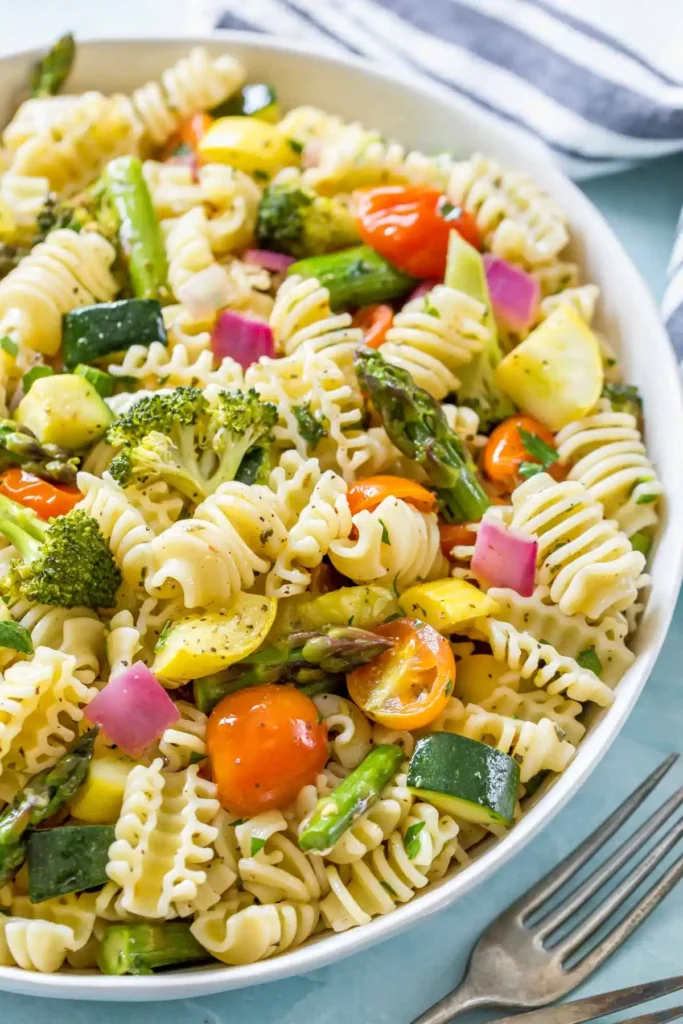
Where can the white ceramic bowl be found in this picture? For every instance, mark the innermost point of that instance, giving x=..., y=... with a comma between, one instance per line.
x=431, y=120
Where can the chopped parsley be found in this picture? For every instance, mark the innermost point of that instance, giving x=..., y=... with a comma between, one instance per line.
x=8, y=345
x=411, y=840
x=257, y=845
x=542, y=453
x=589, y=659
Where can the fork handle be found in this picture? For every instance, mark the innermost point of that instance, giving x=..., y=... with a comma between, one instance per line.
x=460, y=1000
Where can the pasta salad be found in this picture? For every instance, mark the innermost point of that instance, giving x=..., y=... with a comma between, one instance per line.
x=324, y=518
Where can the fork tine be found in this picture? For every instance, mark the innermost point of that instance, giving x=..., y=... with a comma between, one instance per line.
x=608, y=869
x=659, y=1017
x=590, y=924
x=556, y=878
x=652, y=898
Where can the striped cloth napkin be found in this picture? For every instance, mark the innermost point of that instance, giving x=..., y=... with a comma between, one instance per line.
x=597, y=103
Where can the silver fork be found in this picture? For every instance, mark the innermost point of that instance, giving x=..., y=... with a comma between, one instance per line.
x=515, y=965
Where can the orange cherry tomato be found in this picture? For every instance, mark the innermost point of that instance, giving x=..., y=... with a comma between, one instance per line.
x=453, y=534
x=408, y=686
x=44, y=498
x=505, y=452
x=374, y=321
x=371, y=492
x=193, y=128
x=410, y=226
x=265, y=743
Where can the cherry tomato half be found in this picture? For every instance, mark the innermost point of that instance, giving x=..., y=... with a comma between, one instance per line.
x=371, y=492
x=408, y=686
x=374, y=321
x=410, y=226
x=453, y=534
x=44, y=498
x=264, y=744
x=505, y=451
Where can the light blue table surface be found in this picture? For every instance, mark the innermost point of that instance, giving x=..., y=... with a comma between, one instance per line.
x=393, y=982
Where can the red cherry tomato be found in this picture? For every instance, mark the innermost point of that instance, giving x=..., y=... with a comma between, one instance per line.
x=505, y=451
x=371, y=492
x=455, y=534
x=410, y=226
x=264, y=743
x=44, y=498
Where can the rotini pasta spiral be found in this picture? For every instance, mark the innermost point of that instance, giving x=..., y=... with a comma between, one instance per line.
x=237, y=932
x=64, y=272
x=587, y=564
x=348, y=728
x=271, y=866
x=74, y=631
x=121, y=523
x=606, y=454
x=395, y=541
x=123, y=643
x=185, y=741
x=22, y=197
x=302, y=316
x=432, y=336
x=163, y=839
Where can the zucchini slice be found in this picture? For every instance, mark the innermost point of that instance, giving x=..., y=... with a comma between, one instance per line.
x=70, y=858
x=465, y=778
x=93, y=332
x=255, y=100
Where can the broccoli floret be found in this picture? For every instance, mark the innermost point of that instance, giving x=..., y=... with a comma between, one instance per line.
x=478, y=388
x=192, y=444
x=86, y=211
x=294, y=220
x=65, y=562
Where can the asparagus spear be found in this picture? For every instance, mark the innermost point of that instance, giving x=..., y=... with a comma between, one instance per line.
x=141, y=948
x=416, y=424
x=335, y=813
x=40, y=798
x=49, y=74
x=141, y=239
x=19, y=447
x=315, y=658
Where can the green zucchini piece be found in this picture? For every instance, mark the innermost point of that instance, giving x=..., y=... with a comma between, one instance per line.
x=256, y=100
x=15, y=637
x=34, y=374
x=93, y=332
x=70, y=858
x=336, y=813
x=142, y=947
x=355, y=277
x=103, y=382
x=465, y=778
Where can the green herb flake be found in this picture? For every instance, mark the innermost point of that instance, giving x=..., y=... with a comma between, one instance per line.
x=449, y=687
x=295, y=145
x=527, y=469
x=385, y=533
x=34, y=374
x=588, y=659
x=641, y=542
x=163, y=636
x=349, y=621
x=237, y=821
x=257, y=845
x=411, y=841
x=540, y=451
x=310, y=427
x=8, y=345
x=196, y=757
x=15, y=637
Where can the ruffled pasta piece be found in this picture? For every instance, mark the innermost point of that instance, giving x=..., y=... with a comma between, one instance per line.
x=155, y=365
x=235, y=534
x=185, y=741
x=41, y=704
x=66, y=271
x=74, y=631
x=151, y=618
x=164, y=839
x=237, y=932
x=541, y=663
x=33, y=116
x=271, y=866
x=516, y=219
x=196, y=82
x=41, y=937
x=582, y=298
x=587, y=564
x=605, y=452
x=349, y=730
x=536, y=705
x=221, y=873
x=325, y=518
x=129, y=536
x=80, y=139
x=123, y=643
x=293, y=481
x=433, y=335
x=536, y=746
x=22, y=197
x=568, y=634
x=395, y=542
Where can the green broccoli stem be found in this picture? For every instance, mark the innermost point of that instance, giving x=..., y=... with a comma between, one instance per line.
x=313, y=661
x=41, y=797
x=141, y=948
x=50, y=73
x=416, y=424
x=140, y=235
x=336, y=813
x=22, y=527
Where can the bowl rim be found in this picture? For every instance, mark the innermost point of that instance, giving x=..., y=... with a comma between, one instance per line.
x=330, y=947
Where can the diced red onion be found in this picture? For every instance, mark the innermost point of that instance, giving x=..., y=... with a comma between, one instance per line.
x=133, y=709
x=242, y=338
x=515, y=295
x=423, y=287
x=206, y=292
x=269, y=260
x=504, y=557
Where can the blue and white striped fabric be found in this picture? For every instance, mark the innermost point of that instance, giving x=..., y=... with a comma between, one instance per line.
x=598, y=104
